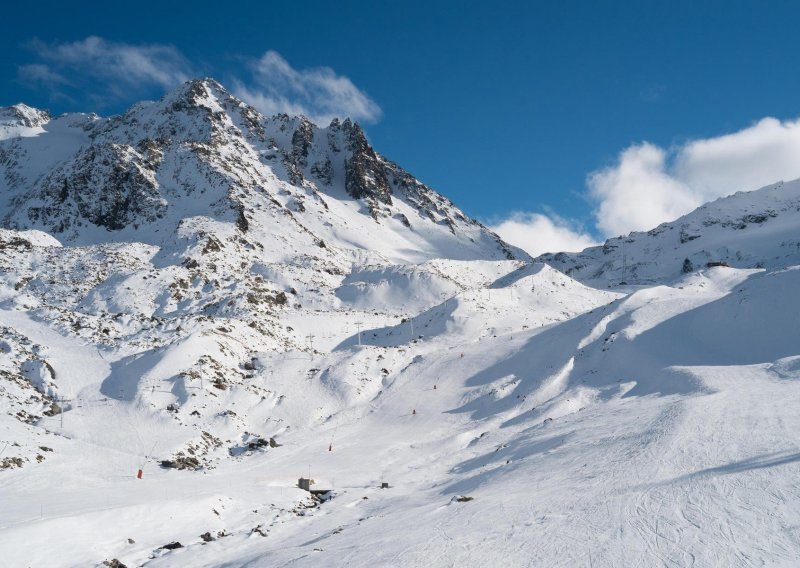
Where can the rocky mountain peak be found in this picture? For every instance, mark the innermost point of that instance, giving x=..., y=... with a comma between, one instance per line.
x=21, y=120
x=23, y=115
x=200, y=151
x=199, y=92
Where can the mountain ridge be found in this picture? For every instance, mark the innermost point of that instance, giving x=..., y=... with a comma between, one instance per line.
x=748, y=229
x=199, y=150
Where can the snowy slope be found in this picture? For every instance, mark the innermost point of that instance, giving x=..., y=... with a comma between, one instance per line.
x=649, y=430
x=229, y=302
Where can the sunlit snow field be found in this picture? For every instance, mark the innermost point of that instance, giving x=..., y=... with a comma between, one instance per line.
x=654, y=428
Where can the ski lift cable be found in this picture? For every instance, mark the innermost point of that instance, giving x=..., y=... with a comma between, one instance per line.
x=150, y=455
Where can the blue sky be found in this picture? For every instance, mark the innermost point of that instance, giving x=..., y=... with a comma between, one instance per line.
x=568, y=122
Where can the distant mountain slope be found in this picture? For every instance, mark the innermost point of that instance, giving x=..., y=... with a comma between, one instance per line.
x=747, y=230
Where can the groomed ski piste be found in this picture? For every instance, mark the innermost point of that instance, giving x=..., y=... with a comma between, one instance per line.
x=575, y=410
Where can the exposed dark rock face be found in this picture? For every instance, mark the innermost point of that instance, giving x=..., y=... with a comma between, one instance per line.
x=302, y=139
x=108, y=185
x=15, y=243
x=258, y=443
x=365, y=176
x=295, y=159
x=11, y=462
x=181, y=462
x=323, y=171
x=172, y=546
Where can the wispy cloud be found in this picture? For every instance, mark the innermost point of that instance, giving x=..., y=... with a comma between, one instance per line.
x=318, y=93
x=104, y=70
x=649, y=185
x=108, y=72
x=537, y=233
x=41, y=74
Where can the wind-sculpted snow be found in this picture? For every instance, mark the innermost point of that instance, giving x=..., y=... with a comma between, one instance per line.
x=413, y=288
x=199, y=305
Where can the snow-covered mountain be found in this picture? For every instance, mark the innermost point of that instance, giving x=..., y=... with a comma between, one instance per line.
x=199, y=305
x=757, y=229
x=201, y=158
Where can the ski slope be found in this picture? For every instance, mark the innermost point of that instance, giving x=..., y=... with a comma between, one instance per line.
x=656, y=429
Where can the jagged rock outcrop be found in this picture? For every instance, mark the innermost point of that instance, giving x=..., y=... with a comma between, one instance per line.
x=108, y=185
x=365, y=176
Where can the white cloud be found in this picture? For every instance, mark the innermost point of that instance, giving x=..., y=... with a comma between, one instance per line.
x=105, y=68
x=537, y=233
x=649, y=185
x=318, y=93
x=762, y=154
x=637, y=193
